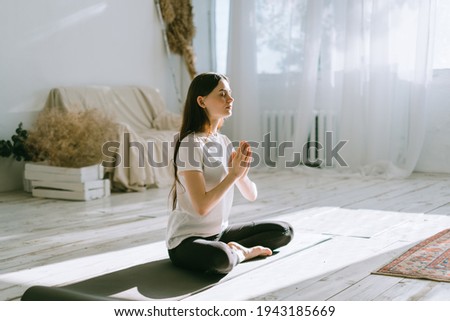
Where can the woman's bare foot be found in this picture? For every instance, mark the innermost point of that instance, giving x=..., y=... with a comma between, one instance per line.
x=248, y=253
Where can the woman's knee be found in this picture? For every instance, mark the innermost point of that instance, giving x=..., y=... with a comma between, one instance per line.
x=288, y=230
x=223, y=260
x=286, y=233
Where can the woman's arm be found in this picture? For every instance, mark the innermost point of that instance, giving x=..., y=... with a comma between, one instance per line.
x=203, y=201
x=247, y=188
x=245, y=185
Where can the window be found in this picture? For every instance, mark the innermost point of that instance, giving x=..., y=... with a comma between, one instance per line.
x=222, y=18
x=279, y=35
x=274, y=57
x=442, y=36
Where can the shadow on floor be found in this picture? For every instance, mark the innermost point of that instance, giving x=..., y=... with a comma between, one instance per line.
x=156, y=280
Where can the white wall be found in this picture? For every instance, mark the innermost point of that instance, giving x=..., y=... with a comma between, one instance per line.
x=48, y=43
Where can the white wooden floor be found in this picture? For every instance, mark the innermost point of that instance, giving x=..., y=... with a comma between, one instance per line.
x=345, y=229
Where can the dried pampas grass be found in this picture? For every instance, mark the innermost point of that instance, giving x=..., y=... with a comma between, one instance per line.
x=70, y=139
x=178, y=16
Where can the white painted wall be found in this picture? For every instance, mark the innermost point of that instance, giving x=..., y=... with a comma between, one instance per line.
x=48, y=43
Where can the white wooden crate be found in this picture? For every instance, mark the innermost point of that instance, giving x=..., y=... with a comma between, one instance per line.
x=72, y=191
x=85, y=183
x=43, y=172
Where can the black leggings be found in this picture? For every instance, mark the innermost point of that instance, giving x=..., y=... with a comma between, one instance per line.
x=212, y=254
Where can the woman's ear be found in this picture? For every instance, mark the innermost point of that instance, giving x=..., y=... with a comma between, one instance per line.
x=200, y=101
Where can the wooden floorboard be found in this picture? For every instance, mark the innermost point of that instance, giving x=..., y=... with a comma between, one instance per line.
x=334, y=282
x=363, y=223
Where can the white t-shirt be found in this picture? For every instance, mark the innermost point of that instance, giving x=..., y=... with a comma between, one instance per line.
x=210, y=155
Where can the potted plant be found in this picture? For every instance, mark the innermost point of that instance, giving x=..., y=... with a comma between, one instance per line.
x=16, y=147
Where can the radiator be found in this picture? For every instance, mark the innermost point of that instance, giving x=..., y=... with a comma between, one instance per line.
x=281, y=124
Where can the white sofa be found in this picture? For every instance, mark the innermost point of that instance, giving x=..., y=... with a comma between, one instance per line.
x=142, y=119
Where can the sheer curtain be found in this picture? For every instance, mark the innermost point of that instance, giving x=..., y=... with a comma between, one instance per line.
x=242, y=70
x=365, y=63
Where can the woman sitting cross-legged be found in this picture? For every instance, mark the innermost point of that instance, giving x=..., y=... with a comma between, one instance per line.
x=206, y=170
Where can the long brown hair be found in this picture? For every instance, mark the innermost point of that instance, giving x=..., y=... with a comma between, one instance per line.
x=195, y=118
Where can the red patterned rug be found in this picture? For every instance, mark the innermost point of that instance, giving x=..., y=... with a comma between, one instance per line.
x=430, y=259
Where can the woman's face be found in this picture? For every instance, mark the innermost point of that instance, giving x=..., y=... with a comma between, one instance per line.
x=218, y=103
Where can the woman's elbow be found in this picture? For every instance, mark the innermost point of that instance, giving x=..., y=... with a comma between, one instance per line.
x=252, y=197
x=201, y=210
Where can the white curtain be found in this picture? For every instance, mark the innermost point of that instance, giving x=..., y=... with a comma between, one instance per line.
x=365, y=63
x=242, y=70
